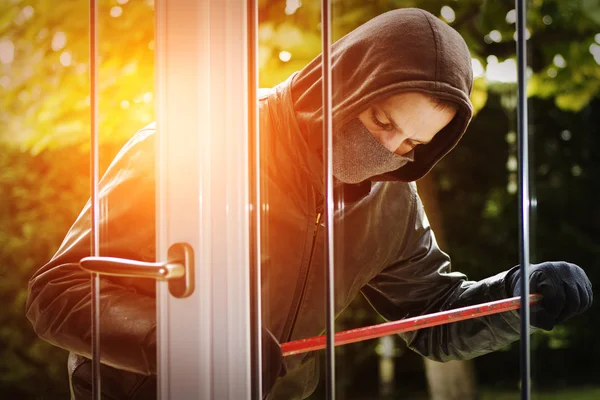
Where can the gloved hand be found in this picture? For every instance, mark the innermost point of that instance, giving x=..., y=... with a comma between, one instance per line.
x=565, y=288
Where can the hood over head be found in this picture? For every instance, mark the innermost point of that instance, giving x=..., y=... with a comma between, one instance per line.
x=405, y=50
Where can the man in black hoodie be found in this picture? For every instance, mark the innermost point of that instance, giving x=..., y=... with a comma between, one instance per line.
x=401, y=86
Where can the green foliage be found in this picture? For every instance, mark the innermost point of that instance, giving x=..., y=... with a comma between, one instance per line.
x=44, y=87
x=577, y=394
x=564, y=28
x=40, y=198
x=44, y=90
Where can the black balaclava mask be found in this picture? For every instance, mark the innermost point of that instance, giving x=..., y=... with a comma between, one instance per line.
x=405, y=50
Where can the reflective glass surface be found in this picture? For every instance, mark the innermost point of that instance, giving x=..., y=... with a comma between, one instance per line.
x=563, y=112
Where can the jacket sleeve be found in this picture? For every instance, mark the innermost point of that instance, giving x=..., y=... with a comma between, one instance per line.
x=59, y=301
x=421, y=282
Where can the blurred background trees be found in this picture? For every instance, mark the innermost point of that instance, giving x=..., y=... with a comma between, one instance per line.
x=44, y=100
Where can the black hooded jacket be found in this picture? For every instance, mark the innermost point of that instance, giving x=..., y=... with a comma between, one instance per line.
x=406, y=50
x=385, y=248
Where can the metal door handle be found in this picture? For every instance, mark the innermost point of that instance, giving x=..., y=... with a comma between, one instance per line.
x=178, y=270
x=131, y=268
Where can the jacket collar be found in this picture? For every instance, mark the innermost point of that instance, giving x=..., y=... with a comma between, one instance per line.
x=288, y=133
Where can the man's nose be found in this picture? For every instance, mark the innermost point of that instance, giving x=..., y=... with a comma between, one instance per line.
x=404, y=148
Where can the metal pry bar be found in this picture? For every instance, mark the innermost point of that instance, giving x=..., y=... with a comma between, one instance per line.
x=407, y=325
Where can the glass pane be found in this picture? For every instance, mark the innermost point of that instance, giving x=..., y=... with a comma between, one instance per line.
x=126, y=218
x=59, y=300
x=126, y=193
x=291, y=206
x=385, y=248
x=393, y=237
x=59, y=304
x=563, y=111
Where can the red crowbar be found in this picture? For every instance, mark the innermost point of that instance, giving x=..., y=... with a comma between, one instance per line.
x=406, y=325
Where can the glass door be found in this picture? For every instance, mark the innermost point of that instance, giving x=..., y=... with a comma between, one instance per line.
x=259, y=240
x=183, y=200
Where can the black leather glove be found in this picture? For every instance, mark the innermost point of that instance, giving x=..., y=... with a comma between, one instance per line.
x=565, y=288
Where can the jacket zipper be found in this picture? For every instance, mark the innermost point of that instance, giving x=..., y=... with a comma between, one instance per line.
x=306, y=274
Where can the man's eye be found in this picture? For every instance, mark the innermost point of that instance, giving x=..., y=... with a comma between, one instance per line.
x=382, y=125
